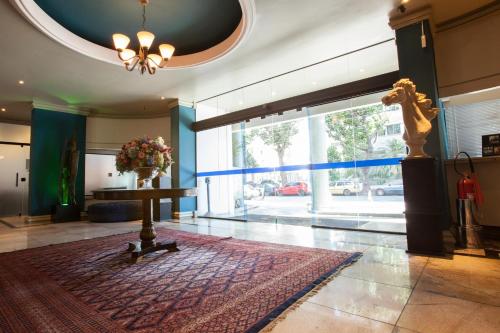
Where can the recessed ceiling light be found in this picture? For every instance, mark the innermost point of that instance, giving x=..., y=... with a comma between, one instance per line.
x=314, y=83
x=240, y=102
x=20, y=82
x=162, y=98
x=3, y=109
x=273, y=93
x=361, y=70
x=2, y=157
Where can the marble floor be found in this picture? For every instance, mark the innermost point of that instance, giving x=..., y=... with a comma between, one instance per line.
x=387, y=290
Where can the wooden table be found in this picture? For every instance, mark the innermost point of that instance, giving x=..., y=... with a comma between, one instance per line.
x=148, y=242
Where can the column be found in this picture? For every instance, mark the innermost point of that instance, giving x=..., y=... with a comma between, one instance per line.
x=51, y=127
x=416, y=62
x=183, y=140
x=320, y=179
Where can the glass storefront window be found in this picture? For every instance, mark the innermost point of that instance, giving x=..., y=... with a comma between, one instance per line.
x=333, y=165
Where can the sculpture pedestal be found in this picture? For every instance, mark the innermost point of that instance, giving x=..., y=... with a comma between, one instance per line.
x=423, y=206
x=66, y=213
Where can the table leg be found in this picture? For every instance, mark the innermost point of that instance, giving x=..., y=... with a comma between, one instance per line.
x=148, y=242
x=148, y=233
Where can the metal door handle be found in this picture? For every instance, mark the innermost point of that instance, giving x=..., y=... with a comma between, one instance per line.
x=17, y=179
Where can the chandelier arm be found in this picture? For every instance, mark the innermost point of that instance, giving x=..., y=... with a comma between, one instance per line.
x=133, y=65
x=163, y=63
x=150, y=70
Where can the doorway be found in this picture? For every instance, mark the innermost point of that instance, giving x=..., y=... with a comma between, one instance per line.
x=14, y=179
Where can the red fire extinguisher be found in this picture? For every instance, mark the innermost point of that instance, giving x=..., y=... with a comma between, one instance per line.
x=468, y=185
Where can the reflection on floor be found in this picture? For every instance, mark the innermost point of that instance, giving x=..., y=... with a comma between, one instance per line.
x=387, y=224
x=22, y=222
x=387, y=290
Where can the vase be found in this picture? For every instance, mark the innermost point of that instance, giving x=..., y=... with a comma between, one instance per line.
x=145, y=176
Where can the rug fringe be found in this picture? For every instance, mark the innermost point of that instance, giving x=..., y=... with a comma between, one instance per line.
x=304, y=298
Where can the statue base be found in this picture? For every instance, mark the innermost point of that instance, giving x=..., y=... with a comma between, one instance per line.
x=423, y=206
x=66, y=213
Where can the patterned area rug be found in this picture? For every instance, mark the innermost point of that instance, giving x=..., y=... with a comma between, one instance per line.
x=212, y=285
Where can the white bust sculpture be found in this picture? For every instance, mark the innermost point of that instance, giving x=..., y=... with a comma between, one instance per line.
x=417, y=115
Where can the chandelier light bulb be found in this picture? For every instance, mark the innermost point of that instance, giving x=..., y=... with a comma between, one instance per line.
x=127, y=55
x=121, y=41
x=166, y=51
x=154, y=60
x=145, y=39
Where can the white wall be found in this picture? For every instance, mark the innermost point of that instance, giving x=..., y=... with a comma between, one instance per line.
x=110, y=133
x=15, y=133
x=100, y=171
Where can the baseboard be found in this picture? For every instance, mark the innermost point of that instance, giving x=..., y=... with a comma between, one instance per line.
x=490, y=232
x=183, y=215
x=38, y=218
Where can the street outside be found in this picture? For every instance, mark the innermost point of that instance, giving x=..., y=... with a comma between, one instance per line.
x=299, y=206
x=381, y=213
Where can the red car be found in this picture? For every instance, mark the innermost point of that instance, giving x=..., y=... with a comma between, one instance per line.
x=295, y=188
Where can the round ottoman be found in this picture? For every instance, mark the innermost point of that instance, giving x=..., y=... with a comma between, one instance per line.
x=118, y=211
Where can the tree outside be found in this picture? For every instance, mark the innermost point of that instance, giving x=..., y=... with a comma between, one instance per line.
x=242, y=155
x=354, y=134
x=279, y=137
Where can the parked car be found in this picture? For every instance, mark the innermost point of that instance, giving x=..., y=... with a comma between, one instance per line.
x=269, y=187
x=250, y=191
x=294, y=188
x=395, y=188
x=346, y=187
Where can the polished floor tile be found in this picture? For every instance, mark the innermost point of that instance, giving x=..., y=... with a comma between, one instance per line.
x=313, y=318
x=402, y=275
x=391, y=256
x=468, y=278
x=368, y=296
x=368, y=299
x=432, y=313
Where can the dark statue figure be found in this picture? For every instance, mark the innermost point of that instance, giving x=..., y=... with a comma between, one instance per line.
x=69, y=171
x=67, y=209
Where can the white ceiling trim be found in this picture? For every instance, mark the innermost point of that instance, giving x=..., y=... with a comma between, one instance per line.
x=60, y=108
x=178, y=102
x=42, y=21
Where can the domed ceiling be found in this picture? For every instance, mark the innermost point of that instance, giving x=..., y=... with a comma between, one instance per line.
x=190, y=25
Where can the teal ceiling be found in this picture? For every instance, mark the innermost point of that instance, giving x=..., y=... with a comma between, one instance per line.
x=190, y=25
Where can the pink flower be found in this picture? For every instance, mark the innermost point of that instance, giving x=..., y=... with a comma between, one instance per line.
x=144, y=145
x=141, y=155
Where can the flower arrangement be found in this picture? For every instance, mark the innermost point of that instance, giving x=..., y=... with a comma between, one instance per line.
x=144, y=152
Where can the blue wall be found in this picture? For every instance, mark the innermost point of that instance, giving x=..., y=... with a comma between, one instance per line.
x=184, y=154
x=49, y=132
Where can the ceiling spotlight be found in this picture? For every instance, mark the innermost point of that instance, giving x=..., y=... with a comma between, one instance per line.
x=162, y=98
x=314, y=83
x=3, y=109
x=273, y=93
x=361, y=70
x=240, y=102
x=21, y=82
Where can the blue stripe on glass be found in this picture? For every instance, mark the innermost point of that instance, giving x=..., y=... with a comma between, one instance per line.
x=316, y=166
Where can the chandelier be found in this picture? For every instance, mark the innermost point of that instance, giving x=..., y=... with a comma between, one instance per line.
x=145, y=60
